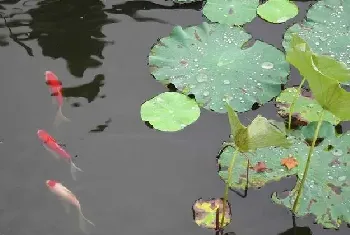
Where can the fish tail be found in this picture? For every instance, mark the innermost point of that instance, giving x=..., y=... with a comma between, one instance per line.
x=60, y=117
x=84, y=224
x=74, y=169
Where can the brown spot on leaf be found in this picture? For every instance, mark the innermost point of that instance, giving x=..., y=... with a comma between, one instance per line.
x=230, y=12
x=260, y=167
x=334, y=162
x=310, y=204
x=160, y=43
x=243, y=90
x=184, y=62
x=290, y=162
x=197, y=36
x=153, y=68
x=337, y=190
x=348, y=152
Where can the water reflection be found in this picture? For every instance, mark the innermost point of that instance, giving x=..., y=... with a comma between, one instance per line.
x=71, y=30
x=130, y=8
x=297, y=231
x=88, y=91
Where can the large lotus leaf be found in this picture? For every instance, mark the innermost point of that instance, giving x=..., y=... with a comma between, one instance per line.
x=278, y=11
x=207, y=214
x=184, y=1
x=326, y=29
x=326, y=130
x=265, y=164
x=306, y=109
x=231, y=12
x=326, y=190
x=170, y=111
x=207, y=60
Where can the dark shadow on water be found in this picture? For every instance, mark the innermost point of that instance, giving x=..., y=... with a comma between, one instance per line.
x=130, y=9
x=88, y=91
x=101, y=128
x=70, y=30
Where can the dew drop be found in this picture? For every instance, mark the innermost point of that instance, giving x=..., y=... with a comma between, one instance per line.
x=342, y=178
x=202, y=78
x=337, y=152
x=206, y=93
x=226, y=82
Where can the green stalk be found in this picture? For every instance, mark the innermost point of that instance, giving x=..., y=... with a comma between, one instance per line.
x=227, y=186
x=291, y=107
x=307, y=166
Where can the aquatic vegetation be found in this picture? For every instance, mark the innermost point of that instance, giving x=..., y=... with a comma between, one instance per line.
x=207, y=213
x=326, y=129
x=230, y=12
x=278, y=11
x=209, y=62
x=170, y=111
x=326, y=29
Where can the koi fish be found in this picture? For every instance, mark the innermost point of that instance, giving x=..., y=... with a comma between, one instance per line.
x=68, y=198
x=55, y=86
x=53, y=147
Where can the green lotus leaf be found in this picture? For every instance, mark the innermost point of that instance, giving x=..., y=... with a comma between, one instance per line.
x=326, y=90
x=326, y=29
x=278, y=11
x=184, y=1
x=265, y=164
x=208, y=61
x=326, y=190
x=326, y=130
x=170, y=111
x=230, y=12
x=306, y=109
x=205, y=213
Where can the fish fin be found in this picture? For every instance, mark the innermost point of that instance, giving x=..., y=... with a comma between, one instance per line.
x=66, y=206
x=84, y=224
x=52, y=152
x=74, y=169
x=60, y=117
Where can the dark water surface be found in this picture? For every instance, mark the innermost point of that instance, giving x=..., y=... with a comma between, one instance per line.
x=136, y=180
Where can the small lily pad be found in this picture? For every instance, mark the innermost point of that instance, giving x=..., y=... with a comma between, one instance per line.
x=170, y=111
x=208, y=61
x=230, y=12
x=278, y=11
x=208, y=214
x=306, y=109
x=326, y=29
x=326, y=129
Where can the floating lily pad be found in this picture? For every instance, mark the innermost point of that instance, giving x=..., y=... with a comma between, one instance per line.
x=208, y=61
x=170, y=111
x=306, y=109
x=278, y=11
x=326, y=190
x=326, y=29
x=326, y=129
x=231, y=12
x=208, y=214
x=268, y=159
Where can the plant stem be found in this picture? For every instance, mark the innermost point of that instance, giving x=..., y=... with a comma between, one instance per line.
x=307, y=166
x=291, y=107
x=227, y=185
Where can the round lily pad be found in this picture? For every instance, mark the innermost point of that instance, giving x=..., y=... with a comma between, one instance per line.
x=278, y=11
x=170, y=111
x=231, y=12
x=306, y=109
x=326, y=29
x=208, y=61
x=208, y=213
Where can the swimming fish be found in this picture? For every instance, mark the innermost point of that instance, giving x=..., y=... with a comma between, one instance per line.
x=55, y=86
x=68, y=198
x=53, y=147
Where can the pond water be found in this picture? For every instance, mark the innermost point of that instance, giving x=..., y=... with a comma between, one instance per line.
x=136, y=180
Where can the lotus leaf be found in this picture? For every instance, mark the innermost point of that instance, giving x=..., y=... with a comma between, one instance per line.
x=277, y=11
x=305, y=110
x=327, y=129
x=230, y=12
x=170, y=111
x=326, y=29
x=206, y=213
x=208, y=61
x=326, y=190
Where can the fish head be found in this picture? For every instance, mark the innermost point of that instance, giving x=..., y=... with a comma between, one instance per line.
x=42, y=134
x=51, y=79
x=51, y=183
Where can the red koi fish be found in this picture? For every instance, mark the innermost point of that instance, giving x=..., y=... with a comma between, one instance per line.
x=68, y=199
x=55, y=86
x=53, y=147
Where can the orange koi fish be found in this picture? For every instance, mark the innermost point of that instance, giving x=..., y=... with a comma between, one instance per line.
x=68, y=198
x=53, y=147
x=55, y=86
